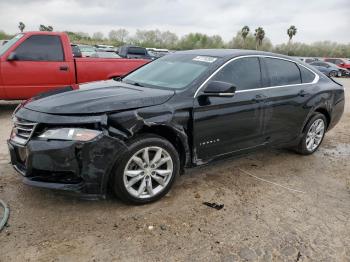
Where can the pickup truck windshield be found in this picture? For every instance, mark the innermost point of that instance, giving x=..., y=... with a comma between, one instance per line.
x=10, y=43
x=170, y=72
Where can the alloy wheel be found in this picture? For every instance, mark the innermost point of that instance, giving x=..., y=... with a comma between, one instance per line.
x=315, y=134
x=148, y=172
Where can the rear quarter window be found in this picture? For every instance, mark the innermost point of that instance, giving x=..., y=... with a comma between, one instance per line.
x=306, y=75
x=282, y=72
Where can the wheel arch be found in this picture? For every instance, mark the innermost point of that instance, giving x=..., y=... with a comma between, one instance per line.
x=320, y=109
x=176, y=137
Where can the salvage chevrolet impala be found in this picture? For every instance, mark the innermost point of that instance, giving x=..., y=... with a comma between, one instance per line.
x=135, y=134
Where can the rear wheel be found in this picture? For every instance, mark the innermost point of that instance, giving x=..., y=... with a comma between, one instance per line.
x=147, y=171
x=313, y=135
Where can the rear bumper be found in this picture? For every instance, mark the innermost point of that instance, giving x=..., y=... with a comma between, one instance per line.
x=77, y=168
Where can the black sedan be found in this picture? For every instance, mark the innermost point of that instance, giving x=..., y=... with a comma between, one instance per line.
x=136, y=134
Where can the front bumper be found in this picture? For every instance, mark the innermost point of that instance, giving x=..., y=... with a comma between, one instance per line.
x=81, y=168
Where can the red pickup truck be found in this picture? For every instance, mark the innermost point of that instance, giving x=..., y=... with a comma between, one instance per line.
x=35, y=62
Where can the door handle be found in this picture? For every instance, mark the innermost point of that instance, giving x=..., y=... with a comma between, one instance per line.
x=303, y=93
x=64, y=68
x=259, y=98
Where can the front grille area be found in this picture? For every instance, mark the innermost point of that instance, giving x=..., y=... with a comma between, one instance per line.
x=22, y=131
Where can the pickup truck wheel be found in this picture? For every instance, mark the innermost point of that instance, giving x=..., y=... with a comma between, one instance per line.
x=313, y=135
x=146, y=171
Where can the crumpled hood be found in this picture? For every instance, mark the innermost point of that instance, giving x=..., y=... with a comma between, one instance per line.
x=100, y=97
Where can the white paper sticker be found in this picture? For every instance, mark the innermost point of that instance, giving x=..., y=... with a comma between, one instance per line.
x=206, y=59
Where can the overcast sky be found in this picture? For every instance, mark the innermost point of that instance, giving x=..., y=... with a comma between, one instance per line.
x=316, y=20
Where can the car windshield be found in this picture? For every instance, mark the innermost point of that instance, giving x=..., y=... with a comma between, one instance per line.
x=171, y=72
x=10, y=43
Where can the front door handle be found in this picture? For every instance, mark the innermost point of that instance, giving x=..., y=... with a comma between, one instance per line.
x=303, y=93
x=64, y=68
x=259, y=98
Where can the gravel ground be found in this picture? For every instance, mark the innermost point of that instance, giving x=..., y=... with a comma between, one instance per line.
x=260, y=221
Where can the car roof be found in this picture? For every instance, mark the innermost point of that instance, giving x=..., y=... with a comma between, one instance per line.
x=230, y=53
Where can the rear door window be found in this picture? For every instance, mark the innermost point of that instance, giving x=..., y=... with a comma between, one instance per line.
x=243, y=73
x=282, y=72
x=40, y=48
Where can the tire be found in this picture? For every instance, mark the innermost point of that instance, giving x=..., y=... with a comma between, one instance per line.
x=309, y=137
x=128, y=181
x=333, y=73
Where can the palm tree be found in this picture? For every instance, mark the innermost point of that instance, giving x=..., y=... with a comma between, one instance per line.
x=21, y=26
x=259, y=36
x=45, y=28
x=291, y=31
x=245, y=31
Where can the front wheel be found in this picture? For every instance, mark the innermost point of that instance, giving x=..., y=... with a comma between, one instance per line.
x=313, y=135
x=147, y=171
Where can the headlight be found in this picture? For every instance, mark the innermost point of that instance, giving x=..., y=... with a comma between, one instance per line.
x=75, y=134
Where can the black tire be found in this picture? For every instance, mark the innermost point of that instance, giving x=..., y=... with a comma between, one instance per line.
x=302, y=148
x=333, y=73
x=134, y=146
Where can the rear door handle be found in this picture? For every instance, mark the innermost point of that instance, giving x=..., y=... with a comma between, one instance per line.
x=303, y=93
x=64, y=68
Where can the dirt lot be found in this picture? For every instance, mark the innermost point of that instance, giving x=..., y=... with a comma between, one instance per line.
x=260, y=221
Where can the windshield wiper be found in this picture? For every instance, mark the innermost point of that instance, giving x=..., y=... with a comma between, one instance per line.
x=137, y=84
x=118, y=78
x=132, y=83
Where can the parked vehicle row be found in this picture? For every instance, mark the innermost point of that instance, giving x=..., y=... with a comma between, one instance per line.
x=36, y=62
x=131, y=51
x=156, y=53
x=332, y=67
x=135, y=134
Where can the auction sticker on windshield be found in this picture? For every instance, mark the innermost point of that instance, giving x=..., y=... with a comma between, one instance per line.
x=207, y=59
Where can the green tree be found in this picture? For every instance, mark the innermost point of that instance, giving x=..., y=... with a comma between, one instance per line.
x=198, y=40
x=119, y=35
x=4, y=36
x=97, y=36
x=259, y=37
x=21, y=26
x=249, y=43
x=244, y=32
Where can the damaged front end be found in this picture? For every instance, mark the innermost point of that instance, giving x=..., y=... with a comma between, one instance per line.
x=78, y=165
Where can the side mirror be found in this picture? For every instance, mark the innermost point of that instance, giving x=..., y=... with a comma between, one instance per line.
x=12, y=57
x=220, y=89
